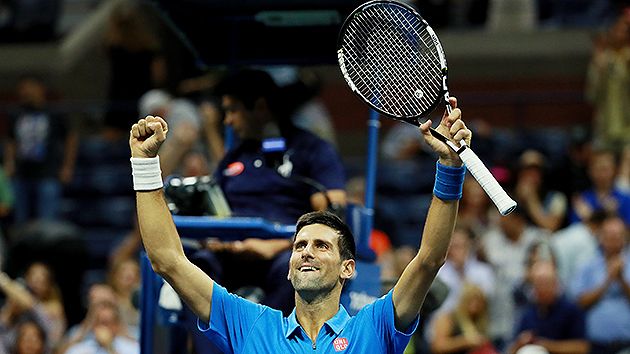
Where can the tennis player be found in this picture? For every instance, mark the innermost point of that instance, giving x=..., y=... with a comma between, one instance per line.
x=322, y=261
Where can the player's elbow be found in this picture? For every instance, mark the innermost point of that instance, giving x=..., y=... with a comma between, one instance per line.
x=431, y=264
x=164, y=263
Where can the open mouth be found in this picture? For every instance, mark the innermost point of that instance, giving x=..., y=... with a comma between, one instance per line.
x=308, y=269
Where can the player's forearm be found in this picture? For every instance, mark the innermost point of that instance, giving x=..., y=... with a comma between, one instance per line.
x=158, y=232
x=415, y=281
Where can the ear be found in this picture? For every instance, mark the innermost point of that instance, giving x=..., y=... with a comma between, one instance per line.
x=347, y=269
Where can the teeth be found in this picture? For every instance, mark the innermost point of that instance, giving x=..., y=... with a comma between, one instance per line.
x=307, y=268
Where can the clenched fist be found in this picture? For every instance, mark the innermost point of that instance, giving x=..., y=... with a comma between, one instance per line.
x=146, y=136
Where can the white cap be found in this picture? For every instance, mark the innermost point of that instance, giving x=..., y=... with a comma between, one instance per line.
x=153, y=101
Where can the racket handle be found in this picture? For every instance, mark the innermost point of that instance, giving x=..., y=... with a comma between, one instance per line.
x=486, y=180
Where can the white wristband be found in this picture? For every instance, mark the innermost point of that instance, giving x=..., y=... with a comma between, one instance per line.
x=146, y=172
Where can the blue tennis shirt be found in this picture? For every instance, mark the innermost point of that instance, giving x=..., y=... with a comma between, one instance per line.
x=240, y=326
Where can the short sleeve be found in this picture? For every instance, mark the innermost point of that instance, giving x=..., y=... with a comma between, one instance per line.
x=381, y=315
x=231, y=319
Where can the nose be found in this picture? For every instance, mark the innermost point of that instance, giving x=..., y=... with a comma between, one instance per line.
x=307, y=252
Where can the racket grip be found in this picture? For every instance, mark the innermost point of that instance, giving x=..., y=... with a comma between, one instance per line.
x=486, y=180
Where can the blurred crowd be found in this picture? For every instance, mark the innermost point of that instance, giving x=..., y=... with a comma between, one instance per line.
x=553, y=276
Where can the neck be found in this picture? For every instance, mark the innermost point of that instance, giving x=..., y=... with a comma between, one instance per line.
x=313, y=311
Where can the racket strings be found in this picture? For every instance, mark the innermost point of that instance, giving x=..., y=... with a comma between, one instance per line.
x=392, y=61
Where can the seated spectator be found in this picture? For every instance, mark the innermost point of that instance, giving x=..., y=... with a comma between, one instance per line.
x=39, y=299
x=98, y=294
x=30, y=339
x=602, y=287
x=603, y=195
x=550, y=320
x=474, y=208
x=107, y=334
x=506, y=249
x=462, y=267
x=124, y=279
x=463, y=329
x=575, y=245
x=545, y=208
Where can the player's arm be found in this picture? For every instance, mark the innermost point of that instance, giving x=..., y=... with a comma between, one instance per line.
x=158, y=231
x=414, y=283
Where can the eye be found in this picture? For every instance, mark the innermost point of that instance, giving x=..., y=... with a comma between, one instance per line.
x=323, y=246
x=298, y=246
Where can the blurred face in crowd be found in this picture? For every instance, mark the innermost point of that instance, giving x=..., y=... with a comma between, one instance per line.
x=544, y=282
x=101, y=293
x=613, y=236
x=30, y=339
x=31, y=92
x=107, y=317
x=316, y=266
x=126, y=276
x=472, y=300
x=474, y=197
x=247, y=123
x=459, y=249
x=602, y=170
x=39, y=279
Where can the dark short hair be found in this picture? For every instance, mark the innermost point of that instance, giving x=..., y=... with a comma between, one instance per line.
x=347, y=247
x=248, y=85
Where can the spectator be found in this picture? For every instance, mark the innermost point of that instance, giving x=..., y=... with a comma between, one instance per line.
x=545, y=208
x=506, y=249
x=39, y=154
x=462, y=267
x=602, y=289
x=474, y=208
x=575, y=245
x=608, y=84
x=98, y=294
x=106, y=334
x=39, y=299
x=124, y=279
x=604, y=195
x=30, y=339
x=550, y=320
x=464, y=329
x=40, y=280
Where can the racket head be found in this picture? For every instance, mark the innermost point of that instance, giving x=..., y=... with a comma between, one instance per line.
x=392, y=59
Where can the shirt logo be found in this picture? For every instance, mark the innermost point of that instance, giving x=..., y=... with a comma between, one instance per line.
x=340, y=344
x=234, y=169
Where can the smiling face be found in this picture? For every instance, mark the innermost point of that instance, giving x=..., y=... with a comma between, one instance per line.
x=316, y=266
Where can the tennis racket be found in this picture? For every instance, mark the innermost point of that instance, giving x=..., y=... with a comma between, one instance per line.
x=392, y=59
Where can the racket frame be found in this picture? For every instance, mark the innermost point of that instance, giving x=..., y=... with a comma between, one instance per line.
x=476, y=167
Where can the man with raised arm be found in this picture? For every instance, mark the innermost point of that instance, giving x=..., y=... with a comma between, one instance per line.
x=321, y=262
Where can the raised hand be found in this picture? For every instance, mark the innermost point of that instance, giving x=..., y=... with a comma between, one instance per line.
x=453, y=128
x=146, y=136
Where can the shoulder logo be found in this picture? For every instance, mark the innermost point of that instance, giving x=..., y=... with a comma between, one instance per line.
x=234, y=169
x=340, y=344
